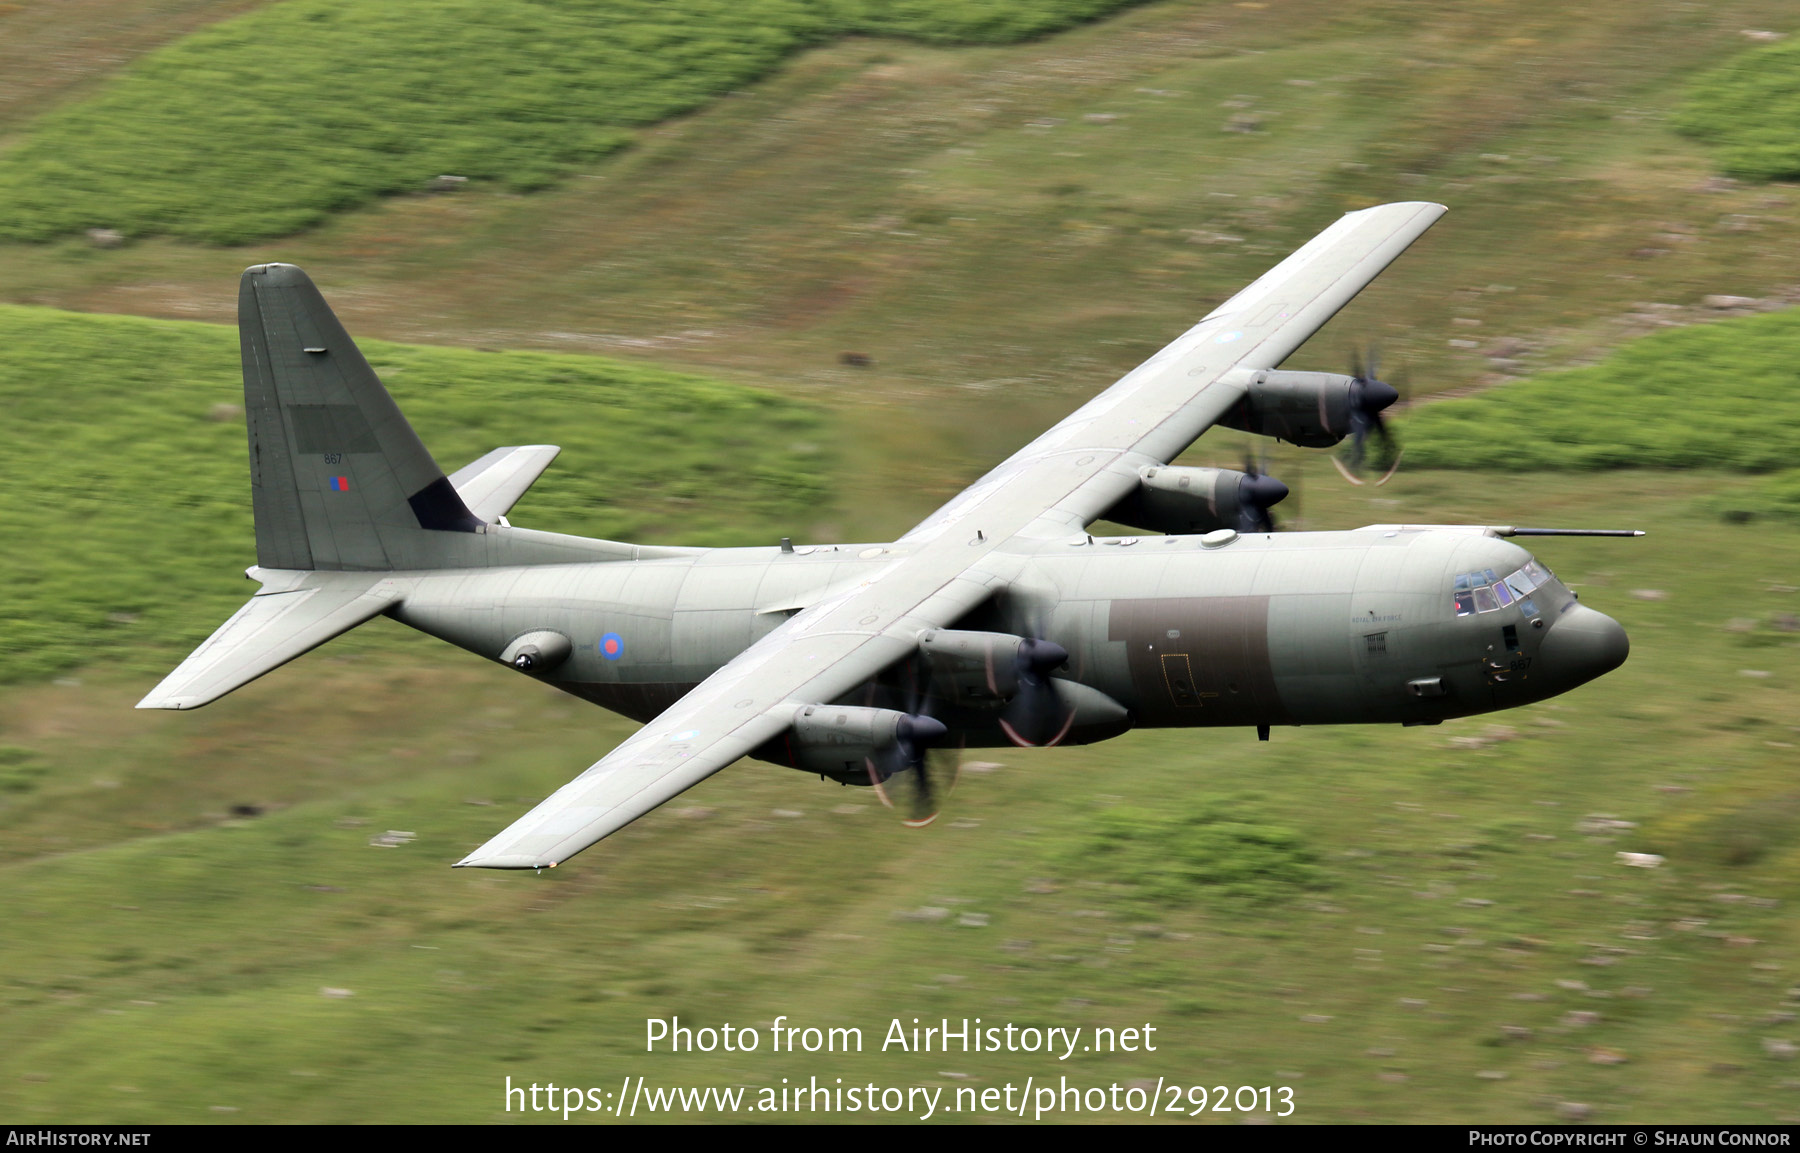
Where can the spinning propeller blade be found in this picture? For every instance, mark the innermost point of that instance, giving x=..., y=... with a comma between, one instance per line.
x=1370, y=396
x=1037, y=714
x=914, y=775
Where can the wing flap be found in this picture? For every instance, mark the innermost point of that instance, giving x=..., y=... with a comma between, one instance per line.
x=491, y=485
x=272, y=629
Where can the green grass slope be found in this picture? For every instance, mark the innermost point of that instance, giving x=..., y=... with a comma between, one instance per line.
x=123, y=453
x=1749, y=109
x=267, y=123
x=1724, y=395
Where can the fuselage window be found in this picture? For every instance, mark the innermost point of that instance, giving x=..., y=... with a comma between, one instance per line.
x=1465, y=602
x=1485, y=601
x=1503, y=593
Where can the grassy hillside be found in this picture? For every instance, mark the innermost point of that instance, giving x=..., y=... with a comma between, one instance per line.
x=1450, y=937
x=124, y=453
x=267, y=123
x=1749, y=110
x=209, y=920
x=1722, y=396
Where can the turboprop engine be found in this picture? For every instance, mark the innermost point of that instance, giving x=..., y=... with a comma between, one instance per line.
x=844, y=741
x=1310, y=409
x=1179, y=500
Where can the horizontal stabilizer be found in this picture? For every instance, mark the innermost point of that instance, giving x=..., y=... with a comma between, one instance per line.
x=279, y=624
x=493, y=484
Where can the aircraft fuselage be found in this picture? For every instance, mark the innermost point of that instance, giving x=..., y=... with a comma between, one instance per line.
x=1365, y=626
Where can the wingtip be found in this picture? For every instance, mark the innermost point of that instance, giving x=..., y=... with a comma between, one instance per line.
x=514, y=861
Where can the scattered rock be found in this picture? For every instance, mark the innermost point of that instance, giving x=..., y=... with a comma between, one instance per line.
x=1041, y=885
x=1598, y=1056
x=1640, y=860
x=224, y=412
x=788, y=814
x=1779, y=1049
x=1101, y=117
x=1603, y=823
x=334, y=991
x=973, y=920
x=1580, y=1018
x=923, y=913
x=1491, y=1075
x=446, y=183
x=1515, y=1032
x=1574, y=1110
x=105, y=237
x=392, y=839
x=1756, y=673
x=856, y=359
x=1650, y=594
x=848, y=810
x=1760, y=35
x=1724, y=302
x=694, y=812
x=246, y=810
x=1315, y=1018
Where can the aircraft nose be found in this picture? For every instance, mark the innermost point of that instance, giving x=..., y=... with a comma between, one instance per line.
x=1583, y=644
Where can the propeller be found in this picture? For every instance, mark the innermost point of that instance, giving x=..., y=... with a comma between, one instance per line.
x=1037, y=715
x=914, y=774
x=1370, y=396
x=1256, y=494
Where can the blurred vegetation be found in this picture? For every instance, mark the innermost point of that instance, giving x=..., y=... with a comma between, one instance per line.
x=1749, y=109
x=1198, y=848
x=1772, y=497
x=124, y=448
x=265, y=124
x=1706, y=396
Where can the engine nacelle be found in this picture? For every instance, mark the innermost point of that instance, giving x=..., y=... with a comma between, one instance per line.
x=1181, y=501
x=840, y=740
x=1310, y=409
x=984, y=668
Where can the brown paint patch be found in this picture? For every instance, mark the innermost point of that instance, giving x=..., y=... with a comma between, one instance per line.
x=1199, y=660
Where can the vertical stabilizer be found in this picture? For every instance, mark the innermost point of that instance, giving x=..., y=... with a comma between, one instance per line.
x=339, y=479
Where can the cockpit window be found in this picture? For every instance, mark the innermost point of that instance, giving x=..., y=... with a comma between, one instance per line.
x=1484, y=592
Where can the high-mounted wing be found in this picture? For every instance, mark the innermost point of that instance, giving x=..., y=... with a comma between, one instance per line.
x=1076, y=471
x=956, y=559
x=818, y=655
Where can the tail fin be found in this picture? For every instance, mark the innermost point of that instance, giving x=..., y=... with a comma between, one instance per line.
x=339, y=479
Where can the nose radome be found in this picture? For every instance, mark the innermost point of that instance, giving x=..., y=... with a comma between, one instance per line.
x=1584, y=644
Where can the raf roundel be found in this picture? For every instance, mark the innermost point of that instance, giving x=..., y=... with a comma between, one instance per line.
x=612, y=646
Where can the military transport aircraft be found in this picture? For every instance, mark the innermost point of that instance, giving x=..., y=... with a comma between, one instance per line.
x=998, y=620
